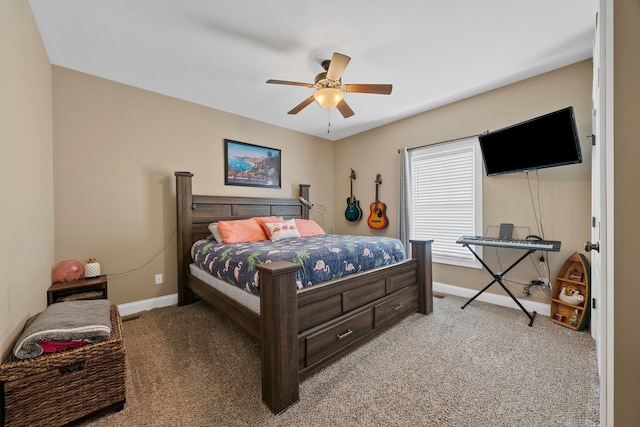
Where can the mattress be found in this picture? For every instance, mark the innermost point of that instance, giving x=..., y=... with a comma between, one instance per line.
x=248, y=300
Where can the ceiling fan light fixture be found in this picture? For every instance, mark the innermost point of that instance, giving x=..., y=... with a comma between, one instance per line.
x=328, y=97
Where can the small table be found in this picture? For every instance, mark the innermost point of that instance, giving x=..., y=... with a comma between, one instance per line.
x=88, y=288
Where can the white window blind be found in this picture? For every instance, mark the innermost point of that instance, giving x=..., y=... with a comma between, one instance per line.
x=446, y=191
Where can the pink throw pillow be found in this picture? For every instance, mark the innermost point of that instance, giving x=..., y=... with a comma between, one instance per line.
x=241, y=230
x=308, y=228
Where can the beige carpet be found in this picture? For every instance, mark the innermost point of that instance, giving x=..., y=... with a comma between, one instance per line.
x=481, y=366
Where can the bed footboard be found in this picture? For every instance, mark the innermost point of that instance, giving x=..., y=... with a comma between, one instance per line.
x=282, y=341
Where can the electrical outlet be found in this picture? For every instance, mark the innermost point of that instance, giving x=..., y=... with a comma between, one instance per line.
x=158, y=279
x=544, y=280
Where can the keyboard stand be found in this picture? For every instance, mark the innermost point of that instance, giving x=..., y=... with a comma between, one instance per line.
x=498, y=278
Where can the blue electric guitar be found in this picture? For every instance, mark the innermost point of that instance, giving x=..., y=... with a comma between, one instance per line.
x=353, y=212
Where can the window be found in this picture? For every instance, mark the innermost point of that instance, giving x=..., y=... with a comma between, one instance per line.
x=446, y=193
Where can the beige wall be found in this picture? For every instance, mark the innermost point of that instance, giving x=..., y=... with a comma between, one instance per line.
x=626, y=93
x=116, y=149
x=564, y=191
x=26, y=187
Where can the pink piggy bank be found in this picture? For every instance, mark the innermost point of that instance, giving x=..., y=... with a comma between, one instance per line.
x=67, y=271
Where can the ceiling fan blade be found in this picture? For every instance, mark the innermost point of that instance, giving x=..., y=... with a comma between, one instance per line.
x=336, y=67
x=344, y=109
x=302, y=105
x=368, y=88
x=286, y=82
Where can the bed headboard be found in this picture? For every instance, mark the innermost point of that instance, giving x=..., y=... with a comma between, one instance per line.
x=195, y=212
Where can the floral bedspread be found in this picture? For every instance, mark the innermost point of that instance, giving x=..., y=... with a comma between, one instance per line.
x=322, y=257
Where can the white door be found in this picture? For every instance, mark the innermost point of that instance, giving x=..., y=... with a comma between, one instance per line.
x=598, y=243
x=598, y=215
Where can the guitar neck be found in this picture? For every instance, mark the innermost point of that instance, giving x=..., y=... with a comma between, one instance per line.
x=351, y=190
x=377, y=196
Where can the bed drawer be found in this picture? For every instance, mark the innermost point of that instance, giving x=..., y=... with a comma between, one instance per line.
x=394, y=308
x=362, y=295
x=323, y=343
x=400, y=281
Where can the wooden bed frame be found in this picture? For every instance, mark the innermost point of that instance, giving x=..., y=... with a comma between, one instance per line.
x=300, y=330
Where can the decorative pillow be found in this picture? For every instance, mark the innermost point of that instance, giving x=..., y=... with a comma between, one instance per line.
x=241, y=230
x=282, y=230
x=213, y=229
x=308, y=228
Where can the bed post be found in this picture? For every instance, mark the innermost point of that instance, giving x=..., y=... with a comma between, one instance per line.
x=184, y=218
x=304, y=193
x=421, y=251
x=279, y=327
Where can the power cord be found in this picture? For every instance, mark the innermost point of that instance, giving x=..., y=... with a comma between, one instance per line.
x=154, y=257
x=533, y=204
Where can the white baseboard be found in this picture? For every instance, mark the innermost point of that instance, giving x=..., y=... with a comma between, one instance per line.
x=147, y=304
x=503, y=300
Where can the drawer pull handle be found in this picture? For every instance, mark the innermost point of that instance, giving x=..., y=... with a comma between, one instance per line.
x=70, y=369
x=398, y=307
x=345, y=334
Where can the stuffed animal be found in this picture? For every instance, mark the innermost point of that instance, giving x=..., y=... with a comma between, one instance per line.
x=67, y=271
x=571, y=295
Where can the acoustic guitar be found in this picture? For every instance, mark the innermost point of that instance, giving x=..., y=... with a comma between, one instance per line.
x=378, y=217
x=353, y=213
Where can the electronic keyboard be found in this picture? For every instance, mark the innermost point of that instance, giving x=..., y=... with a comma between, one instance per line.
x=535, y=245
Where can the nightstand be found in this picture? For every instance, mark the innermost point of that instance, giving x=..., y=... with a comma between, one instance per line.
x=91, y=288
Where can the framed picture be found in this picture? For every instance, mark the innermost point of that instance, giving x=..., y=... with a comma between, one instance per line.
x=251, y=165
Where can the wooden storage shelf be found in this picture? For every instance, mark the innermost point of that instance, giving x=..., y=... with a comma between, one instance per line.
x=575, y=272
x=569, y=281
x=559, y=301
x=88, y=288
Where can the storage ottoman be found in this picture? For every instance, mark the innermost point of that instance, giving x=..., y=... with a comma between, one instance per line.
x=57, y=388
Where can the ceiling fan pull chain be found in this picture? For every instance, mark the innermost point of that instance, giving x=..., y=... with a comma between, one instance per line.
x=328, y=121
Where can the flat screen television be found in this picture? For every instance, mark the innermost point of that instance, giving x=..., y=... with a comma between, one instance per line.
x=542, y=142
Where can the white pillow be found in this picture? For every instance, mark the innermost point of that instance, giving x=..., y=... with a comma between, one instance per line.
x=213, y=229
x=282, y=230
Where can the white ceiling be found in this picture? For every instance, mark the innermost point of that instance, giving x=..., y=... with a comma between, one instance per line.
x=220, y=53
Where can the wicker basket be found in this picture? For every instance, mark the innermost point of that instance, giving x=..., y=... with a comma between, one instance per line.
x=57, y=388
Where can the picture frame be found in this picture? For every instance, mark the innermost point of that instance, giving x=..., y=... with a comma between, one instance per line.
x=250, y=165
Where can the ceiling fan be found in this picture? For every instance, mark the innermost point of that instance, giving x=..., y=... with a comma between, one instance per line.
x=329, y=88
